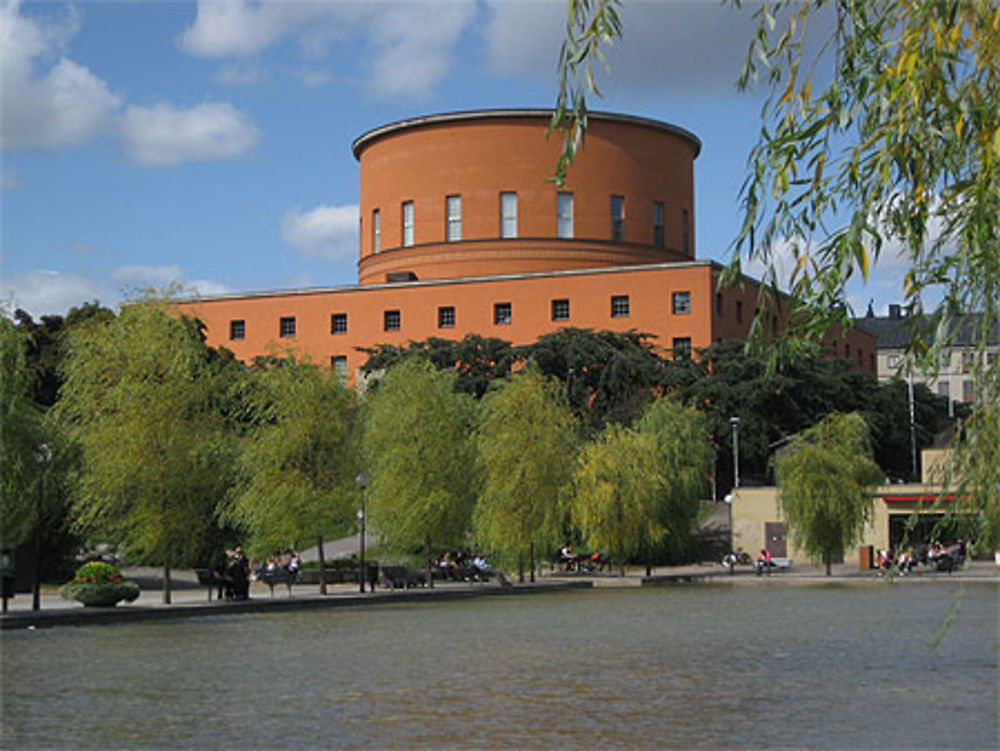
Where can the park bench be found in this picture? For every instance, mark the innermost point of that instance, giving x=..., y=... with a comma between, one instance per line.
x=278, y=576
x=401, y=577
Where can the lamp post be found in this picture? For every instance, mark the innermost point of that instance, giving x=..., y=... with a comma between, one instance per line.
x=362, y=481
x=735, y=422
x=732, y=537
x=43, y=456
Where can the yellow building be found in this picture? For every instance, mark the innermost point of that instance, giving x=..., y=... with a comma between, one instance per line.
x=758, y=524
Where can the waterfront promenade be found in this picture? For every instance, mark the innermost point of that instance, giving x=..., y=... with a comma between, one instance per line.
x=189, y=599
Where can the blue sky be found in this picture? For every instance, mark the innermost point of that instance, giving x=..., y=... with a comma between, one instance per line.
x=208, y=143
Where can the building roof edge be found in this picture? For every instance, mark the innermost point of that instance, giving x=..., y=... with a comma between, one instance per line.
x=362, y=141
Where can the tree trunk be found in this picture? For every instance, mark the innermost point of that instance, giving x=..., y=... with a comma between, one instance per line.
x=322, y=565
x=166, y=581
x=520, y=567
x=36, y=569
x=827, y=559
x=531, y=552
x=427, y=561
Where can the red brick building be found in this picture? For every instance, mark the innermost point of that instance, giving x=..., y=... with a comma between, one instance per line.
x=461, y=231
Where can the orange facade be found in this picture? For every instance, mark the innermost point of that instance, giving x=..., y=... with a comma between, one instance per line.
x=461, y=232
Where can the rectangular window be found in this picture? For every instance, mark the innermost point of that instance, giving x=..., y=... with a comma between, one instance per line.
x=682, y=348
x=739, y=312
x=719, y=306
x=943, y=389
x=237, y=329
x=681, y=303
x=286, y=327
x=446, y=317
x=894, y=361
x=407, y=223
x=391, y=320
x=658, y=241
x=686, y=231
x=968, y=391
x=376, y=231
x=502, y=313
x=564, y=215
x=619, y=306
x=508, y=215
x=618, y=218
x=339, y=365
x=968, y=361
x=453, y=209
x=560, y=310
x=338, y=323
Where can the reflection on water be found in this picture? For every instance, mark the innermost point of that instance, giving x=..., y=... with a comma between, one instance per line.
x=843, y=667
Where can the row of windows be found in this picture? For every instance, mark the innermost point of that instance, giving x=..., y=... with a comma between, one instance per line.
x=502, y=315
x=508, y=227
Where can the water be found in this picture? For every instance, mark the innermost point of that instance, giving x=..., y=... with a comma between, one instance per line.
x=686, y=667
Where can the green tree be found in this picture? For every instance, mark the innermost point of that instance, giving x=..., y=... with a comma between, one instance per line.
x=298, y=462
x=607, y=376
x=527, y=438
x=617, y=489
x=137, y=403
x=477, y=361
x=420, y=456
x=684, y=462
x=824, y=486
x=894, y=145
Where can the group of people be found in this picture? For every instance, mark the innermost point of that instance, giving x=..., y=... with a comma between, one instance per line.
x=284, y=561
x=231, y=575
x=232, y=572
x=457, y=566
x=569, y=560
x=937, y=556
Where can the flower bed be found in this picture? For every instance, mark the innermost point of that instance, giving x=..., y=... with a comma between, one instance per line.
x=99, y=584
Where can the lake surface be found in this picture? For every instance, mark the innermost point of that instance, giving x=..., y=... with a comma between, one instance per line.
x=683, y=667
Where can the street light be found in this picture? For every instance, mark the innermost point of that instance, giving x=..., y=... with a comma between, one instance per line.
x=735, y=422
x=43, y=456
x=362, y=481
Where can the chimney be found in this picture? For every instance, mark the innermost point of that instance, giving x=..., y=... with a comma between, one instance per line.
x=895, y=310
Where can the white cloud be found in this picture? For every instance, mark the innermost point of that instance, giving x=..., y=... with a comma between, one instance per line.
x=52, y=292
x=63, y=105
x=165, y=135
x=240, y=73
x=407, y=46
x=411, y=47
x=329, y=232
x=685, y=49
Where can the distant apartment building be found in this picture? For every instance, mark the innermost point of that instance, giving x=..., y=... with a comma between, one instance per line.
x=463, y=232
x=954, y=377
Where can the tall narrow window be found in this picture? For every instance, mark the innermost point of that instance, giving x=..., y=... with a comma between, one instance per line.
x=339, y=365
x=286, y=327
x=739, y=312
x=719, y=304
x=619, y=306
x=407, y=223
x=618, y=218
x=686, y=231
x=376, y=231
x=338, y=323
x=682, y=348
x=391, y=320
x=657, y=224
x=564, y=215
x=453, y=209
x=237, y=329
x=681, y=303
x=502, y=313
x=508, y=215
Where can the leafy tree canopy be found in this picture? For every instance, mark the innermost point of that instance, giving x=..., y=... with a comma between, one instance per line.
x=824, y=485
